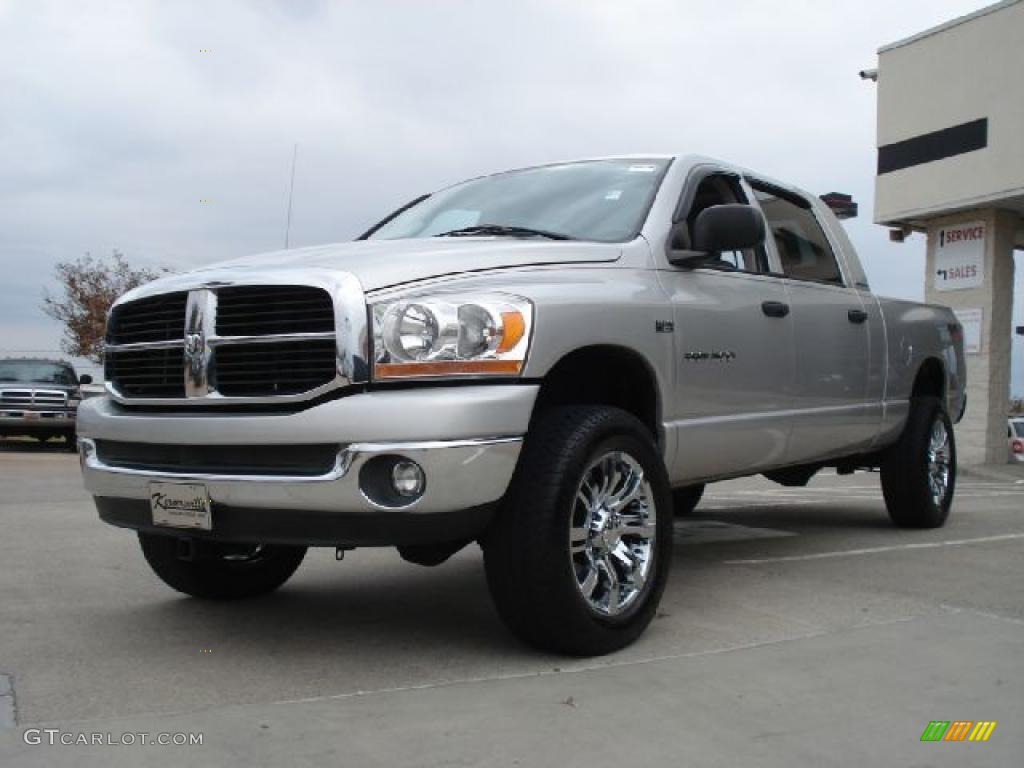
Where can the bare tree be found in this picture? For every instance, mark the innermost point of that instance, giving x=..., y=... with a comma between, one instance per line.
x=89, y=286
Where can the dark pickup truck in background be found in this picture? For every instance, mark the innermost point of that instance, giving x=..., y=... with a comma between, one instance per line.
x=39, y=398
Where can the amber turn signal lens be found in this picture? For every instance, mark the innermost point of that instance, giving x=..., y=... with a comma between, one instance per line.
x=447, y=368
x=514, y=326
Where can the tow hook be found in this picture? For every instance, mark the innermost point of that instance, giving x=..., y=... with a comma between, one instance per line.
x=186, y=549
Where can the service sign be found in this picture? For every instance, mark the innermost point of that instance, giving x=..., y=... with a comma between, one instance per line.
x=960, y=257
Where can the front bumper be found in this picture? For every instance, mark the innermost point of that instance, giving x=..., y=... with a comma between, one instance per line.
x=466, y=439
x=24, y=421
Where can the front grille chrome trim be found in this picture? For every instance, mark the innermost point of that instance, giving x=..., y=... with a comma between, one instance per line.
x=33, y=396
x=138, y=346
x=350, y=333
x=200, y=317
x=213, y=341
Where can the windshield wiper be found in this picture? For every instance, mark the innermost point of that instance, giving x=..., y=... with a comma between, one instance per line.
x=503, y=230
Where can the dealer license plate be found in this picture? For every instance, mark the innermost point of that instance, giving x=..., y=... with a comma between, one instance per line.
x=180, y=505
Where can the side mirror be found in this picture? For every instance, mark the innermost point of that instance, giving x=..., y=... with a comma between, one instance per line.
x=85, y=378
x=731, y=227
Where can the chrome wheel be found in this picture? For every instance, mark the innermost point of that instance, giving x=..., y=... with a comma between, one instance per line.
x=938, y=462
x=612, y=533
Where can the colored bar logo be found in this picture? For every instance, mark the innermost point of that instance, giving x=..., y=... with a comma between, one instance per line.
x=958, y=730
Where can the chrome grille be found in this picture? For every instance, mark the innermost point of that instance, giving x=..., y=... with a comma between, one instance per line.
x=16, y=396
x=49, y=397
x=261, y=310
x=33, y=397
x=146, y=372
x=158, y=318
x=229, y=343
x=284, y=368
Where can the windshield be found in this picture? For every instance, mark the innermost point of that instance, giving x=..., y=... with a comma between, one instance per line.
x=604, y=200
x=37, y=372
x=1018, y=428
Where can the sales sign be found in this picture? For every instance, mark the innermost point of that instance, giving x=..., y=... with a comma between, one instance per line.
x=960, y=257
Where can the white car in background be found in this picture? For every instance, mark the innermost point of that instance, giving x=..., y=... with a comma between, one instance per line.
x=1015, y=435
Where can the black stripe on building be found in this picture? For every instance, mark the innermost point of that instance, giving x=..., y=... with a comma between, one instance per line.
x=928, y=147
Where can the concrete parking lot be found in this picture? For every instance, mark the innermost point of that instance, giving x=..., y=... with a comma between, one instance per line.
x=799, y=628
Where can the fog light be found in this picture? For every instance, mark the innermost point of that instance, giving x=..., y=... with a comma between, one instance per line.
x=407, y=478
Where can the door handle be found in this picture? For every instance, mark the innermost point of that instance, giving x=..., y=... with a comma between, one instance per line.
x=857, y=316
x=775, y=308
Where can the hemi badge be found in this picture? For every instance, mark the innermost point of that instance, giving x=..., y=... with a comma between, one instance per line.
x=664, y=326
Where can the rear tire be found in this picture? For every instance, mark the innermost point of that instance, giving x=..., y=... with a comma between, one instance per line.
x=685, y=500
x=919, y=471
x=579, y=554
x=221, y=571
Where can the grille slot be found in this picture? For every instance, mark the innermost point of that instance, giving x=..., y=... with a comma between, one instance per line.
x=158, y=318
x=293, y=460
x=146, y=372
x=265, y=310
x=16, y=396
x=49, y=397
x=273, y=368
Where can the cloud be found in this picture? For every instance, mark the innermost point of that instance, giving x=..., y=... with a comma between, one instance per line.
x=117, y=122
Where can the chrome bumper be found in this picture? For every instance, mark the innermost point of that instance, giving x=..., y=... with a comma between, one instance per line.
x=14, y=417
x=460, y=474
x=466, y=439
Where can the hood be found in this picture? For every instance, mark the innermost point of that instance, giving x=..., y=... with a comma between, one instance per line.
x=385, y=263
x=69, y=388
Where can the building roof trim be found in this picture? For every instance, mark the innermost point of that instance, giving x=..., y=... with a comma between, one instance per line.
x=949, y=24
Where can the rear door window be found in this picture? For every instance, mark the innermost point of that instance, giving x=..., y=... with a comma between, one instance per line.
x=804, y=251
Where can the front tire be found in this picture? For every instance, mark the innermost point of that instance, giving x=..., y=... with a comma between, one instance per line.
x=579, y=554
x=217, y=571
x=919, y=471
x=685, y=500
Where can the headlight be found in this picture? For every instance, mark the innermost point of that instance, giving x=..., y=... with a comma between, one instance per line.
x=451, y=336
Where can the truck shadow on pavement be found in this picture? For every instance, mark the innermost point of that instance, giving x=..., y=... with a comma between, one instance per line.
x=374, y=605
x=343, y=609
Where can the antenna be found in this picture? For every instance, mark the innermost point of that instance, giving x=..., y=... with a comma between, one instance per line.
x=291, y=190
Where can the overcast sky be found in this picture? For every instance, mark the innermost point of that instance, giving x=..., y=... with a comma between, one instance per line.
x=114, y=124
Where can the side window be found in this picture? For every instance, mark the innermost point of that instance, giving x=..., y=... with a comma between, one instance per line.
x=804, y=250
x=720, y=189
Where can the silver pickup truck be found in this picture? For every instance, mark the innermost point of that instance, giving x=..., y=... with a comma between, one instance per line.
x=550, y=361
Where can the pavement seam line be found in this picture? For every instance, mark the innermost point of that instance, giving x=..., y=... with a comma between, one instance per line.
x=877, y=550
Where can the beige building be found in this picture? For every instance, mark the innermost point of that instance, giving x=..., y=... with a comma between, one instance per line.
x=951, y=165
